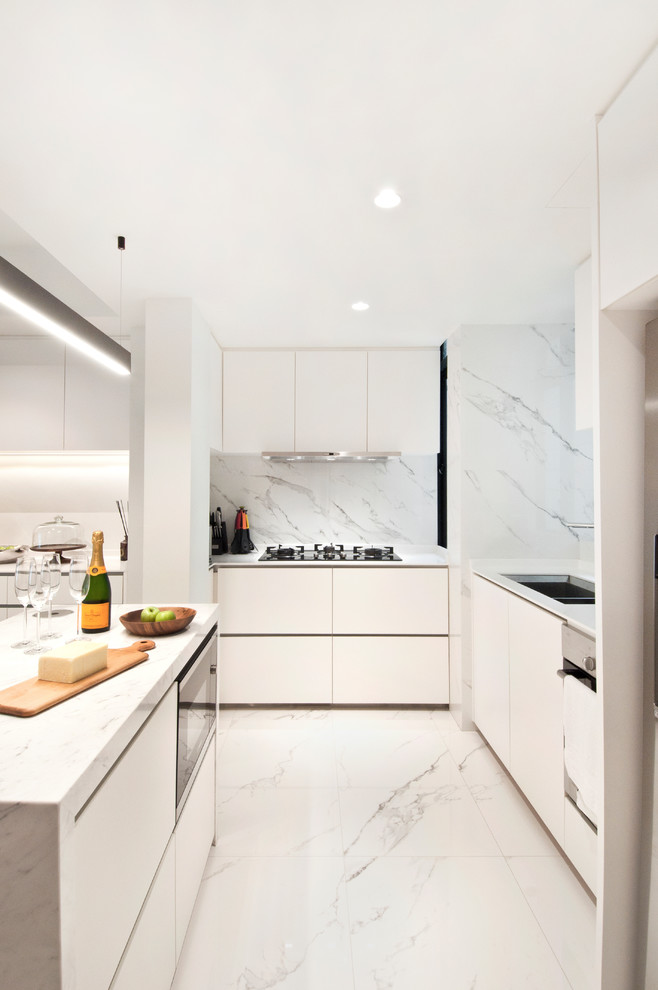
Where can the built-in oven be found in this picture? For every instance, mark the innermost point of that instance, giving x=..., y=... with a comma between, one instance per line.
x=580, y=723
x=197, y=714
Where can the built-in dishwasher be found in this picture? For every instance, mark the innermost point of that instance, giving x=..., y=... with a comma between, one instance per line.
x=580, y=723
x=197, y=714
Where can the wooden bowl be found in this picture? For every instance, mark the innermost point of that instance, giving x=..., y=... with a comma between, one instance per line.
x=133, y=623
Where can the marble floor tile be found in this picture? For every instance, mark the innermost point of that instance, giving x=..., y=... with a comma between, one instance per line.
x=268, y=923
x=449, y=924
x=277, y=758
x=378, y=757
x=390, y=718
x=278, y=822
x=303, y=719
x=565, y=911
x=432, y=815
x=516, y=828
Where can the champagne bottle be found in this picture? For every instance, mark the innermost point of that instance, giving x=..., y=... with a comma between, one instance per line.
x=96, y=606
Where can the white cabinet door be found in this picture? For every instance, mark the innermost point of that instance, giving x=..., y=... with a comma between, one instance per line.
x=195, y=831
x=403, y=401
x=331, y=400
x=259, y=401
x=391, y=601
x=279, y=600
x=628, y=189
x=32, y=393
x=275, y=670
x=119, y=839
x=150, y=957
x=96, y=406
x=491, y=709
x=391, y=670
x=536, y=746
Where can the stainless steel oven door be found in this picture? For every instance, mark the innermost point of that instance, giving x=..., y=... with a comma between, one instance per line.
x=197, y=713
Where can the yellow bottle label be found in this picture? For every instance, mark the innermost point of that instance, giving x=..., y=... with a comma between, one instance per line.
x=95, y=616
x=98, y=570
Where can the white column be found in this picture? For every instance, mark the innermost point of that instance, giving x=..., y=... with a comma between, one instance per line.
x=170, y=460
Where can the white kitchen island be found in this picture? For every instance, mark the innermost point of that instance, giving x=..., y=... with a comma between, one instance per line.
x=92, y=773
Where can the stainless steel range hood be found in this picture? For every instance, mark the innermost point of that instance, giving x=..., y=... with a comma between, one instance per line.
x=329, y=455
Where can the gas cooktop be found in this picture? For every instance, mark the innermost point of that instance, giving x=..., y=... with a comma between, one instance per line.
x=331, y=551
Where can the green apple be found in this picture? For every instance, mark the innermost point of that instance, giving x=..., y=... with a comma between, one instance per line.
x=149, y=614
x=165, y=616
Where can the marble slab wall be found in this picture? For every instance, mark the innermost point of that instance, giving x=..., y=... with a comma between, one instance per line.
x=519, y=473
x=297, y=502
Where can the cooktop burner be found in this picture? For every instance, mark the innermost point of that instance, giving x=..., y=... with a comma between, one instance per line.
x=331, y=551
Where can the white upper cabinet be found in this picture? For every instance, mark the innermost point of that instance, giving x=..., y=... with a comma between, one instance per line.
x=96, y=406
x=331, y=400
x=403, y=401
x=32, y=393
x=259, y=401
x=628, y=192
x=53, y=398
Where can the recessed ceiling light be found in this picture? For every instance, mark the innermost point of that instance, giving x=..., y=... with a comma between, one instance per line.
x=387, y=199
x=360, y=306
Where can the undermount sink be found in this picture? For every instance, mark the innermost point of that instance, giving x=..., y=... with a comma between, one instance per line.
x=563, y=588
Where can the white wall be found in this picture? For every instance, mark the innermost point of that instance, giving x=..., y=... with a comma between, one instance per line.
x=169, y=483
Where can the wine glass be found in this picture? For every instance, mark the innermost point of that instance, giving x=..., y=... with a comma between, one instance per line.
x=79, y=586
x=55, y=580
x=21, y=588
x=38, y=582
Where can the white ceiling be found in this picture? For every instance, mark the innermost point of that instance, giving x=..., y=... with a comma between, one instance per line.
x=238, y=146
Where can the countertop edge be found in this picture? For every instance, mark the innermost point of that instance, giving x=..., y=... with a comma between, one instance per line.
x=581, y=617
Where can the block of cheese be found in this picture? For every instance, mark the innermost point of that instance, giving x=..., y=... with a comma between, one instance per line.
x=71, y=662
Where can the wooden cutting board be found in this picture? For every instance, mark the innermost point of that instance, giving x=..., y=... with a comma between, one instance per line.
x=33, y=696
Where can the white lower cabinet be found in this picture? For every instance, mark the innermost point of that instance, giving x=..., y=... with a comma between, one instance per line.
x=150, y=956
x=491, y=711
x=279, y=600
x=580, y=844
x=536, y=735
x=405, y=670
x=275, y=669
x=341, y=635
x=119, y=839
x=195, y=833
x=393, y=601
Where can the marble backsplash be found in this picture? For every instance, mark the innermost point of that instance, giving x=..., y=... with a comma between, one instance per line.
x=364, y=503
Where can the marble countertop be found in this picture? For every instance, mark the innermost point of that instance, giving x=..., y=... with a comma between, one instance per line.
x=61, y=755
x=582, y=617
x=412, y=556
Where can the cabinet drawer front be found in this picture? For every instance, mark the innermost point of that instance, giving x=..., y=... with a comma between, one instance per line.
x=275, y=669
x=119, y=839
x=409, y=600
x=150, y=959
x=278, y=600
x=403, y=670
x=195, y=832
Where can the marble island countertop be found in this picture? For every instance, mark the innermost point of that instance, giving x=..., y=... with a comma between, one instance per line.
x=59, y=756
x=582, y=617
x=412, y=556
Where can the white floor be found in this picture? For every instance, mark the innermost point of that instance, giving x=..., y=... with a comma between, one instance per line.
x=378, y=851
